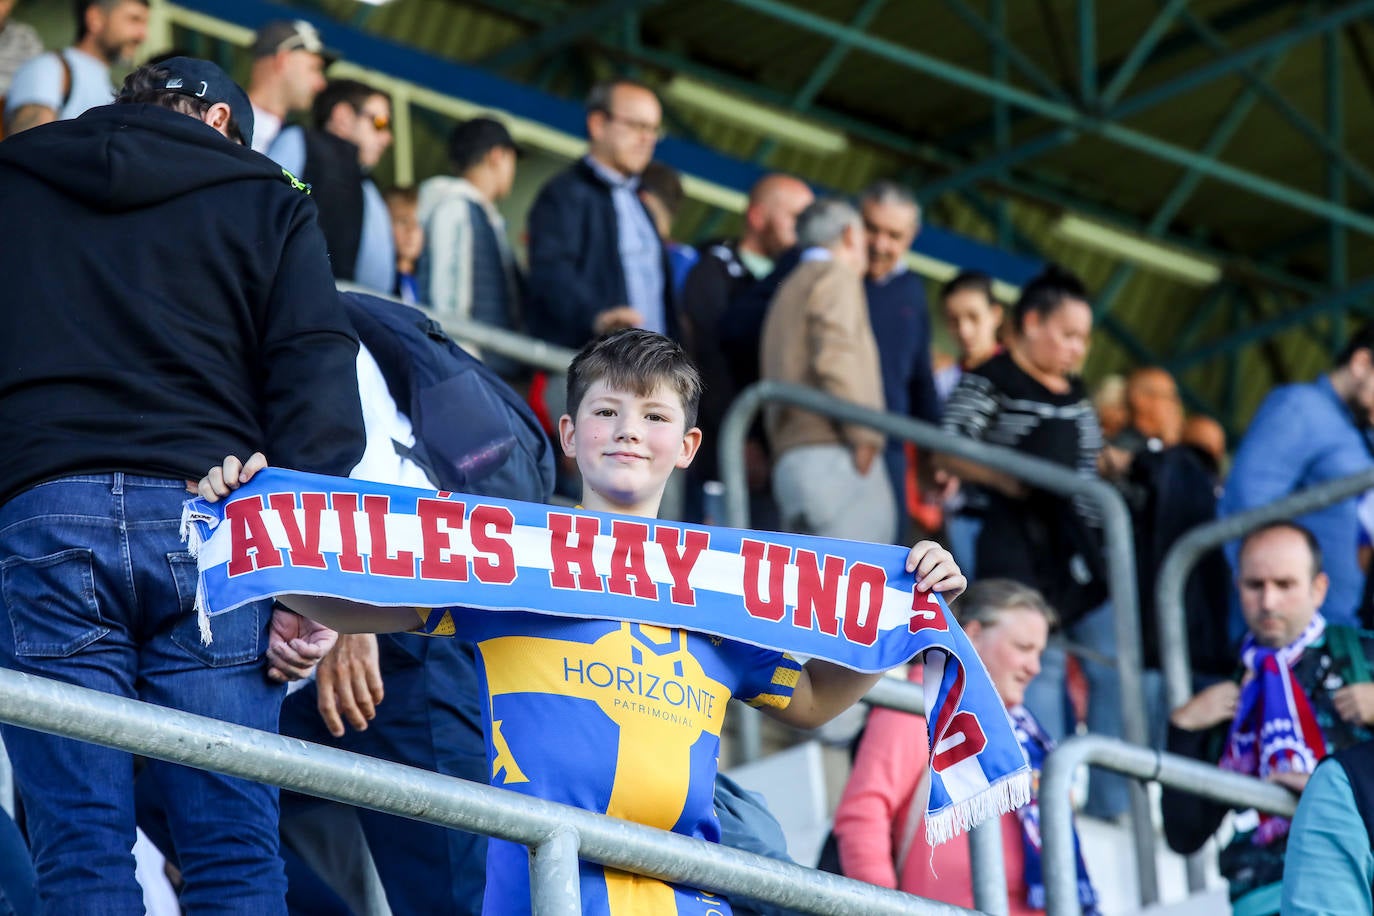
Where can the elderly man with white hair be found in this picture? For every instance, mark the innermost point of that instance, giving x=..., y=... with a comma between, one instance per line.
x=826, y=478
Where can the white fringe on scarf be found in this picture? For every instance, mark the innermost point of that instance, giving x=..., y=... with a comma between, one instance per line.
x=1006, y=794
x=191, y=535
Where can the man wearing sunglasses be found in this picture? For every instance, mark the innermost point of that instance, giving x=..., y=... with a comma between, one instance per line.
x=596, y=261
x=351, y=133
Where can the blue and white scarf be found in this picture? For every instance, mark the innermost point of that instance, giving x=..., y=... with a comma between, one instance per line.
x=1275, y=729
x=845, y=602
x=1037, y=745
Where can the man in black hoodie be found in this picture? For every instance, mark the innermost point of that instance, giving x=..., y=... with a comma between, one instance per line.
x=168, y=302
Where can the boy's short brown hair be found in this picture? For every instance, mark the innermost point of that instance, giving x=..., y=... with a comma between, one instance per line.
x=635, y=360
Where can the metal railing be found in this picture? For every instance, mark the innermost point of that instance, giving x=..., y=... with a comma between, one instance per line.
x=1116, y=521
x=520, y=347
x=1172, y=583
x=1172, y=770
x=558, y=835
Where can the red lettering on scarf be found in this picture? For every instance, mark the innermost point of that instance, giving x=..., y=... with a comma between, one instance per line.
x=774, y=606
x=958, y=733
x=926, y=613
x=439, y=518
x=863, y=629
x=303, y=540
x=565, y=555
x=629, y=575
x=963, y=739
x=346, y=505
x=381, y=562
x=818, y=593
x=682, y=561
x=491, y=529
x=250, y=546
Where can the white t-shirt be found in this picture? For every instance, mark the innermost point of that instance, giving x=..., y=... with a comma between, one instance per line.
x=39, y=82
x=386, y=427
x=266, y=126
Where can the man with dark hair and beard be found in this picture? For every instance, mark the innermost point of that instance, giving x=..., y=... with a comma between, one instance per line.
x=1304, y=435
x=63, y=84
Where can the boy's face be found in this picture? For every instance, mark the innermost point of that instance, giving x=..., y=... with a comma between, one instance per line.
x=626, y=445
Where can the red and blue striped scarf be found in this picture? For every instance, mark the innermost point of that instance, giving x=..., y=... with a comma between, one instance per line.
x=1275, y=729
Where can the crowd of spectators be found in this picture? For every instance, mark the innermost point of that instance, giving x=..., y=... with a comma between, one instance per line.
x=814, y=291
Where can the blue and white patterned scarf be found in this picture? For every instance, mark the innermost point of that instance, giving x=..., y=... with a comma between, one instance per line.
x=1037, y=746
x=845, y=602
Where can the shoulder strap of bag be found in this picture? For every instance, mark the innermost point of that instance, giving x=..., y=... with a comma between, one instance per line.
x=1348, y=653
x=66, y=80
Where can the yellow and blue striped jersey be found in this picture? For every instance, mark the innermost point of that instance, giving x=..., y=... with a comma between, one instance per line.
x=618, y=718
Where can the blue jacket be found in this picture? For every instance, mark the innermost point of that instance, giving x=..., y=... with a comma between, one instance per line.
x=1329, y=866
x=575, y=269
x=1301, y=436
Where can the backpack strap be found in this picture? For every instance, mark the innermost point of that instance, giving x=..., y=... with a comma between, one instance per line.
x=1347, y=652
x=66, y=80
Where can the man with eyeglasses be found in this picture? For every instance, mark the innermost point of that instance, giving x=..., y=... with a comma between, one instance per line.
x=351, y=134
x=596, y=260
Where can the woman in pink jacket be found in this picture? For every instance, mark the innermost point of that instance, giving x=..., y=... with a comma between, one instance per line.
x=879, y=825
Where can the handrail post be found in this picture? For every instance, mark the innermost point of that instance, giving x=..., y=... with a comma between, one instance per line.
x=989, y=869
x=75, y=712
x=1172, y=770
x=1119, y=542
x=554, y=886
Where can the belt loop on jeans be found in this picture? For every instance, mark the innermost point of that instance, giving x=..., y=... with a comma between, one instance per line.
x=118, y=489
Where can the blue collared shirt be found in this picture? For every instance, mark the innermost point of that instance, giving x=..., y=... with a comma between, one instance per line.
x=1301, y=436
x=641, y=250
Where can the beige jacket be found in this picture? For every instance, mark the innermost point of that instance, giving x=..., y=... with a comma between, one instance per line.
x=817, y=334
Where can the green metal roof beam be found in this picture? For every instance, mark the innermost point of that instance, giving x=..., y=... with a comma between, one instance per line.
x=1222, y=135
x=1290, y=113
x=912, y=59
x=1141, y=52
x=1125, y=136
x=1337, y=301
x=1336, y=169
x=1230, y=63
x=804, y=96
x=1203, y=313
x=901, y=143
x=996, y=38
x=563, y=33
x=835, y=56
x=1087, y=54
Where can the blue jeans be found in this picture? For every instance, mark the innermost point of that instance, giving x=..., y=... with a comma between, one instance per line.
x=431, y=718
x=99, y=592
x=18, y=884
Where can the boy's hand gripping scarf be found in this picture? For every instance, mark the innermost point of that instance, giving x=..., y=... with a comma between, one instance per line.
x=849, y=603
x=1275, y=730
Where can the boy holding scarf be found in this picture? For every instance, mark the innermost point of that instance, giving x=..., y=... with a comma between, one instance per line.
x=1298, y=697
x=553, y=731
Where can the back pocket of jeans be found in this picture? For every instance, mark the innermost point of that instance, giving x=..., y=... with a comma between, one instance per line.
x=51, y=603
x=236, y=636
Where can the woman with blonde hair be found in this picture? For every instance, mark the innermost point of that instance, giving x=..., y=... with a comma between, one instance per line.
x=879, y=824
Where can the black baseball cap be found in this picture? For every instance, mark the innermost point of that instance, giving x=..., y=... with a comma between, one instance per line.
x=291, y=35
x=471, y=139
x=204, y=80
